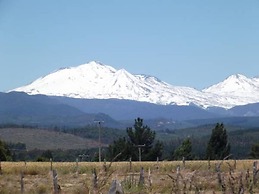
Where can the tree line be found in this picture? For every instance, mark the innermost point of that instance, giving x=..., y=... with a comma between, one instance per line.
x=140, y=141
x=136, y=143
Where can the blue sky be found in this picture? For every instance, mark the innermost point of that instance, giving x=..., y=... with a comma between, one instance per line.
x=183, y=42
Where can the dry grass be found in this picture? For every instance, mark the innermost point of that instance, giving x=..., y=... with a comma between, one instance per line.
x=44, y=140
x=195, y=177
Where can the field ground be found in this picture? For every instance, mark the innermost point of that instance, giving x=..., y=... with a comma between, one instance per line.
x=44, y=140
x=159, y=177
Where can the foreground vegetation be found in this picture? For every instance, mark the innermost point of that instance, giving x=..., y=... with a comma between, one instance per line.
x=228, y=176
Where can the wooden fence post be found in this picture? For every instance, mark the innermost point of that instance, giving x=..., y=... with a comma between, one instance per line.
x=149, y=177
x=105, y=167
x=178, y=169
x=131, y=173
x=95, y=179
x=255, y=171
x=220, y=178
x=130, y=164
x=77, y=167
x=141, y=177
x=55, y=182
x=22, y=182
x=183, y=162
x=157, y=163
x=51, y=164
x=116, y=188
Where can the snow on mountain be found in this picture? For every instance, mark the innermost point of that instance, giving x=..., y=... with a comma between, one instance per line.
x=237, y=88
x=98, y=81
x=236, y=85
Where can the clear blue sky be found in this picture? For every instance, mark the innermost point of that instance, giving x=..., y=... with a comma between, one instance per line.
x=193, y=43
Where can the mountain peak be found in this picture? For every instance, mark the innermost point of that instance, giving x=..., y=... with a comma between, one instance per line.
x=95, y=80
x=95, y=65
x=236, y=85
x=237, y=76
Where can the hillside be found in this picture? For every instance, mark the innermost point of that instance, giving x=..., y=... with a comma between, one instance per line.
x=120, y=109
x=43, y=139
x=39, y=110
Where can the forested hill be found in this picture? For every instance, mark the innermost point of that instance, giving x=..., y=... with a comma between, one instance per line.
x=240, y=139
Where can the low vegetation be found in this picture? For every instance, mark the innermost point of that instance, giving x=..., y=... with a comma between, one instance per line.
x=223, y=176
x=46, y=140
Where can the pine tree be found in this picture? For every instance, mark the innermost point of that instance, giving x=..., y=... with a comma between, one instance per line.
x=185, y=150
x=5, y=153
x=122, y=146
x=140, y=141
x=218, y=146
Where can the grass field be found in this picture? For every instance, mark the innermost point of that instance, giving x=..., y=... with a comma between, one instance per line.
x=44, y=140
x=159, y=177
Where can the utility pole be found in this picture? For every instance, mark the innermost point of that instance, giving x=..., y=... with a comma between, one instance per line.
x=100, y=149
x=139, y=151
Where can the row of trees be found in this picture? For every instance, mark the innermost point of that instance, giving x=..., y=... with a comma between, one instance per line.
x=140, y=144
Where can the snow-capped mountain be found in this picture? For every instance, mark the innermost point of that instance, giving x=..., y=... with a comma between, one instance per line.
x=98, y=81
x=235, y=85
x=237, y=88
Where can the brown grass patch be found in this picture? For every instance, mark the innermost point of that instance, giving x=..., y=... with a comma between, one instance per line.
x=195, y=177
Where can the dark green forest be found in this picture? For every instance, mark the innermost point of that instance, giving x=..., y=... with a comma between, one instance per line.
x=191, y=143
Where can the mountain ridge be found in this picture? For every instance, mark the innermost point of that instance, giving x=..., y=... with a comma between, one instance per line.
x=23, y=109
x=39, y=110
x=94, y=80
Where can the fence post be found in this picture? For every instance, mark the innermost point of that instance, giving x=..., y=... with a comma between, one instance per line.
x=51, y=164
x=149, y=177
x=157, y=163
x=55, y=182
x=22, y=182
x=0, y=167
x=130, y=164
x=255, y=171
x=178, y=169
x=77, y=167
x=183, y=162
x=131, y=173
x=105, y=168
x=116, y=188
x=141, y=177
x=220, y=178
x=95, y=186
